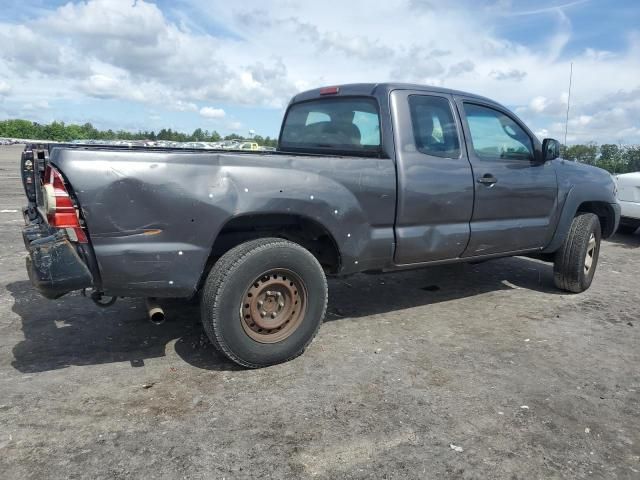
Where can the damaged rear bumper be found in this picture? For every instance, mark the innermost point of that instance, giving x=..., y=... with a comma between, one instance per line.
x=53, y=264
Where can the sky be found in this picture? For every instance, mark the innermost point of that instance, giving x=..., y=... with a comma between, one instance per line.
x=233, y=66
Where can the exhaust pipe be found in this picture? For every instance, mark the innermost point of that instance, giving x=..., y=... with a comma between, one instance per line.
x=155, y=312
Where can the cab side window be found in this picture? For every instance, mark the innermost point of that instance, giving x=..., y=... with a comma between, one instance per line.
x=495, y=135
x=434, y=127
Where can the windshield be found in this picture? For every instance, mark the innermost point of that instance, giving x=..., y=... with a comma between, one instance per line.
x=350, y=125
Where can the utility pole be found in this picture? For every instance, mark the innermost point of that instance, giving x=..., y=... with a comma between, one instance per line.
x=566, y=123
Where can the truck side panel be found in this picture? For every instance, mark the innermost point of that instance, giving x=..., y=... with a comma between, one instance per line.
x=153, y=217
x=579, y=184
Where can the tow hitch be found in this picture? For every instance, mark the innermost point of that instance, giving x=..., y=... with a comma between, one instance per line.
x=99, y=299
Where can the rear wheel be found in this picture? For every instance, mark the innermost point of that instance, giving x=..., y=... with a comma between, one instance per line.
x=264, y=301
x=575, y=263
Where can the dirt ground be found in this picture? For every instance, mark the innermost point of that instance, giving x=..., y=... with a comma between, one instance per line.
x=466, y=371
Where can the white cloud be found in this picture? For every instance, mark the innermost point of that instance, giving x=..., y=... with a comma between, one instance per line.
x=235, y=125
x=260, y=55
x=417, y=64
x=542, y=134
x=182, y=106
x=595, y=54
x=461, y=68
x=547, y=106
x=512, y=74
x=5, y=88
x=102, y=86
x=538, y=104
x=210, y=112
x=37, y=105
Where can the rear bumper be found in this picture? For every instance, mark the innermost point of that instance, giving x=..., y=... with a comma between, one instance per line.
x=53, y=264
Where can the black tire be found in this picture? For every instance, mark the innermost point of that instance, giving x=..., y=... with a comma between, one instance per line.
x=224, y=296
x=627, y=229
x=570, y=270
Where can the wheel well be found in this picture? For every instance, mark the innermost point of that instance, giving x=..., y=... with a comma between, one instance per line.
x=605, y=213
x=306, y=232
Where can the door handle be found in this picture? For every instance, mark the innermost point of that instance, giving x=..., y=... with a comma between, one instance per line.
x=487, y=179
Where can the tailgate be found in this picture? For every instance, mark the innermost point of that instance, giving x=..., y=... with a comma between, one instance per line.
x=60, y=257
x=32, y=166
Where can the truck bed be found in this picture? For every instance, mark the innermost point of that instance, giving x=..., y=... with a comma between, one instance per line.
x=153, y=215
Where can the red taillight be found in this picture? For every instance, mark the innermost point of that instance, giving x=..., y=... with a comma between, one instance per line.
x=329, y=90
x=60, y=210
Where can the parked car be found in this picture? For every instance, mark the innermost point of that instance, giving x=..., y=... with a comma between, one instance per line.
x=230, y=144
x=629, y=197
x=249, y=146
x=367, y=178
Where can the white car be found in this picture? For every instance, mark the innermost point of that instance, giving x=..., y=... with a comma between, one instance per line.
x=629, y=197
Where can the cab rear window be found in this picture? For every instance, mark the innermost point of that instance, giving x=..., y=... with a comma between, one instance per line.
x=349, y=125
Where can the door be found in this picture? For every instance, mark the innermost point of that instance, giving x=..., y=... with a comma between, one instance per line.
x=435, y=181
x=515, y=195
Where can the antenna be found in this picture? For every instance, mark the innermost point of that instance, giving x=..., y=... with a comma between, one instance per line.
x=566, y=123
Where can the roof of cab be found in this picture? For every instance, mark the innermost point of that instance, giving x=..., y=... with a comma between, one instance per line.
x=373, y=88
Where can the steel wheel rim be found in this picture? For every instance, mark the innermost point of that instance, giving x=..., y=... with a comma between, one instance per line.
x=273, y=306
x=591, y=252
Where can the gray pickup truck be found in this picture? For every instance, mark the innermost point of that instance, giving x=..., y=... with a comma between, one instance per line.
x=366, y=178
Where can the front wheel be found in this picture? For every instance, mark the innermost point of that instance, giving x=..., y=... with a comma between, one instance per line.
x=575, y=263
x=264, y=301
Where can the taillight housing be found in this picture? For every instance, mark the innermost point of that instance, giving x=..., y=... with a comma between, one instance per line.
x=58, y=205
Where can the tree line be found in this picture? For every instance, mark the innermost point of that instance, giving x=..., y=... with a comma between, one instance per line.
x=611, y=157
x=61, y=132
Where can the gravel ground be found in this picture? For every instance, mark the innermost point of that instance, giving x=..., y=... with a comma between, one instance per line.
x=466, y=371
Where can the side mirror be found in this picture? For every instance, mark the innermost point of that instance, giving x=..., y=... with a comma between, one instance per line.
x=550, y=149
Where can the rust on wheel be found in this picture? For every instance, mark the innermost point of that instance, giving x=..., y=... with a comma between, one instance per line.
x=273, y=306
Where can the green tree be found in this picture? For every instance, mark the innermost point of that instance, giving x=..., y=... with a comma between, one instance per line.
x=75, y=132
x=612, y=158
x=55, y=131
x=234, y=136
x=632, y=154
x=198, y=135
x=164, y=134
x=581, y=153
x=89, y=131
x=17, y=129
x=270, y=142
